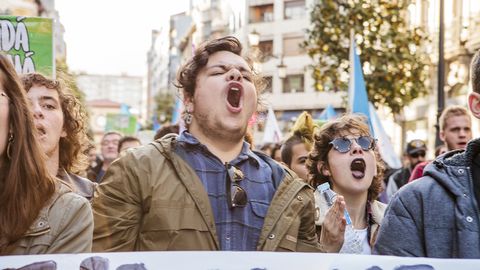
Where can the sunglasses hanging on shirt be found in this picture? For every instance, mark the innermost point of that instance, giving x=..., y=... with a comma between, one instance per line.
x=236, y=195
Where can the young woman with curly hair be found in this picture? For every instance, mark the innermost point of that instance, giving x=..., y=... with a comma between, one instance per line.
x=345, y=155
x=60, y=119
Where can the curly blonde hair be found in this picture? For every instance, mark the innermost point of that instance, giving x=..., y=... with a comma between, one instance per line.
x=302, y=132
x=72, y=147
x=318, y=157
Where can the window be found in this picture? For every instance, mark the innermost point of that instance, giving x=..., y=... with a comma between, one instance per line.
x=293, y=84
x=207, y=29
x=291, y=46
x=263, y=13
x=266, y=49
x=268, y=84
x=294, y=9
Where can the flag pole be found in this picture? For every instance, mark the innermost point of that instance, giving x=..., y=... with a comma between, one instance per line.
x=351, y=82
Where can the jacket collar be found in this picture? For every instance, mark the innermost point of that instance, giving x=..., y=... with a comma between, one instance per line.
x=79, y=185
x=460, y=157
x=193, y=143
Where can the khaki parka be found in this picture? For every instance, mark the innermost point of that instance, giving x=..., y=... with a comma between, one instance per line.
x=64, y=225
x=152, y=200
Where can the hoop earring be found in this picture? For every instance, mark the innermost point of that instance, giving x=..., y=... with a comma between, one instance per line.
x=9, y=146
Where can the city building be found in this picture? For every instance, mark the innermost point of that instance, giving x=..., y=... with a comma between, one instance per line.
x=117, y=88
x=277, y=28
x=157, y=64
x=99, y=109
x=462, y=40
x=273, y=30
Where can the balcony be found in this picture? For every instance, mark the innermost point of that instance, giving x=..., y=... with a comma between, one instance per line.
x=262, y=13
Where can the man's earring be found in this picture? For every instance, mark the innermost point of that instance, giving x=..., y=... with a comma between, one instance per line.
x=9, y=146
x=188, y=116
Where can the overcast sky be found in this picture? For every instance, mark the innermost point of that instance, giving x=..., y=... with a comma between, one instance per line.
x=113, y=36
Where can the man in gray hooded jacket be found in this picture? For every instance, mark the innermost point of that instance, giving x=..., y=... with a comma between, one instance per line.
x=439, y=215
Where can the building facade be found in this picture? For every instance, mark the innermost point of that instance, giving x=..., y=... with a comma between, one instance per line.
x=157, y=69
x=281, y=25
x=461, y=41
x=117, y=88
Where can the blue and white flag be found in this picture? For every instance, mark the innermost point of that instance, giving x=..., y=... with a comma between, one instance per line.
x=357, y=92
x=328, y=113
x=124, y=109
x=156, y=124
x=384, y=145
x=177, y=111
x=358, y=103
x=272, y=133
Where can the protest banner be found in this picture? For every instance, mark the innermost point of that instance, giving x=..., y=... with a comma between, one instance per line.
x=203, y=260
x=124, y=123
x=28, y=43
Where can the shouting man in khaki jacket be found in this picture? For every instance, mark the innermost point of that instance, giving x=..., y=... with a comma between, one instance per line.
x=205, y=189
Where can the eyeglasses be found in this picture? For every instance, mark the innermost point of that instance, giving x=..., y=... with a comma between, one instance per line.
x=418, y=154
x=343, y=144
x=107, y=142
x=236, y=194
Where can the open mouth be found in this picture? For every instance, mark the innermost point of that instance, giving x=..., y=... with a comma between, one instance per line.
x=358, y=168
x=233, y=96
x=41, y=130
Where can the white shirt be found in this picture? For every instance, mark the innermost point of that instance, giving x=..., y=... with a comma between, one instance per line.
x=363, y=235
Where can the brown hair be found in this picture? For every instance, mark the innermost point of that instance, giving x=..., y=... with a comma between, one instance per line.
x=187, y=74
x=125, y=139
x=166, y=129
x=72, y=147
x=25, y=184
x=450, y=111
x=318, y=157
x=475, y=72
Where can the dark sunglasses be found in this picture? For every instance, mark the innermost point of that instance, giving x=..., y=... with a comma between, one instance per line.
x=343, y=144
x=236, y=194
x=418, y=154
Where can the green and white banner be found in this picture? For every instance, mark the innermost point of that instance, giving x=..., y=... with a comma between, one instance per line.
x=28, y=42
x=124, y=123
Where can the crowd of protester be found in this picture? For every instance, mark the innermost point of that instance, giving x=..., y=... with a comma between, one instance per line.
x=204, y=186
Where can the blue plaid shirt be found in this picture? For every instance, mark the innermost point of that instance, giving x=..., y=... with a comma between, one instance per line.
x=238, y=228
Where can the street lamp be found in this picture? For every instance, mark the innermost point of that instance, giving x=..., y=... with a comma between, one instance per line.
x=282, y=69
x=254, y=41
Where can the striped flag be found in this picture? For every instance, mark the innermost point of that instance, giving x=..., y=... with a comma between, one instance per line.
x=358, y=103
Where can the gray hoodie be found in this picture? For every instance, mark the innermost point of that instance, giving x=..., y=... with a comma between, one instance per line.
x=437, y=215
